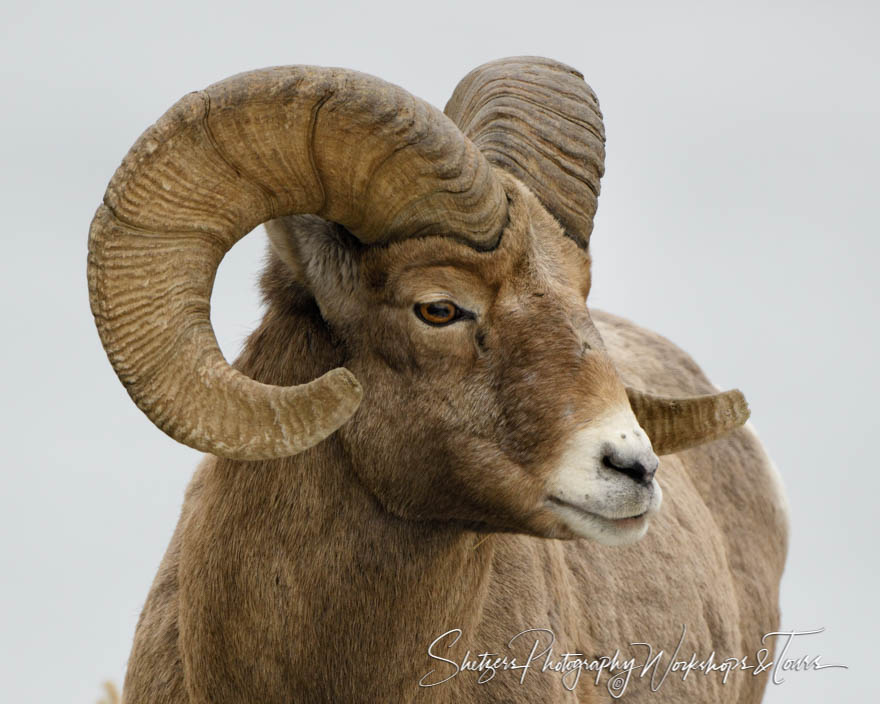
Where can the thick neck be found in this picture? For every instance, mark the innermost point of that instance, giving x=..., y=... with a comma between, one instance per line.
x=350, y=577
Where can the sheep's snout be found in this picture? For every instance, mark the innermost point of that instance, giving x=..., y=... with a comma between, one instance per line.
x=604, y=486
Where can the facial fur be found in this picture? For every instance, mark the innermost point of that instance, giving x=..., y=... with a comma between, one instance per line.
x=507, y=407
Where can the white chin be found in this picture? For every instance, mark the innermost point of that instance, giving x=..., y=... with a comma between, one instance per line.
x=607, y=531
x=603, y=530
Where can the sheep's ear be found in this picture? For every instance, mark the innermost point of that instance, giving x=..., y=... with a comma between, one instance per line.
x=289, y=237
x=321, y=255
x=308, y=244
x=283, y=236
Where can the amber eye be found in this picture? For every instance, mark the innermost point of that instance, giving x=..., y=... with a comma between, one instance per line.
x=438, y=312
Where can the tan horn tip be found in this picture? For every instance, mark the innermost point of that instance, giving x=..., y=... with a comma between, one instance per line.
x=678, y=423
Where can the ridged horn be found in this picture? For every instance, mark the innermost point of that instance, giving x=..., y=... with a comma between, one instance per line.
x=675, y=424
x=281, y=141
x=537, y=119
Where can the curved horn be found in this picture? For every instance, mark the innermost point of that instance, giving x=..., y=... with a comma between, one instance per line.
x=675, y=424
x=537, y=119
x=340, y=144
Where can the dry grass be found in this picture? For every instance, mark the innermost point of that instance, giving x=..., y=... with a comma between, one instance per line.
x=111, y=694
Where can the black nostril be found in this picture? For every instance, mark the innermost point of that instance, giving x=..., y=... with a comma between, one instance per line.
x=634, y=469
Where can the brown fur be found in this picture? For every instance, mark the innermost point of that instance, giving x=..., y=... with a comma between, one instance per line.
x=325, y=576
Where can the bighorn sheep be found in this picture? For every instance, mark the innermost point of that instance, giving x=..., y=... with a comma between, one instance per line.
x=427, y=416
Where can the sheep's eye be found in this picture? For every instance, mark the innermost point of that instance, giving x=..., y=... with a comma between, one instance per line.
x=438, y=312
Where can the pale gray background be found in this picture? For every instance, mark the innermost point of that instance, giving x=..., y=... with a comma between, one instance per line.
x=737, y=217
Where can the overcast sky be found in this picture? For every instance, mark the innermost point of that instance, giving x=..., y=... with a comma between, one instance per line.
x=738, y=217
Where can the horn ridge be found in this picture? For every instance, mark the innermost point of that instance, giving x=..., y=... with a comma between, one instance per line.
x=537, y=119
x=678, y=423
x=282, y=141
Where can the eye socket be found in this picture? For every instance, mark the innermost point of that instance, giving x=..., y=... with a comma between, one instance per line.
x=438, y=313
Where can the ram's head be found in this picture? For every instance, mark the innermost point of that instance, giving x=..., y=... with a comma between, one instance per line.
x=448, y=258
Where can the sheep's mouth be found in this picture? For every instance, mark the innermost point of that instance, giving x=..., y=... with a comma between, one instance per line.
x=617, y=530
x=619, y=520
